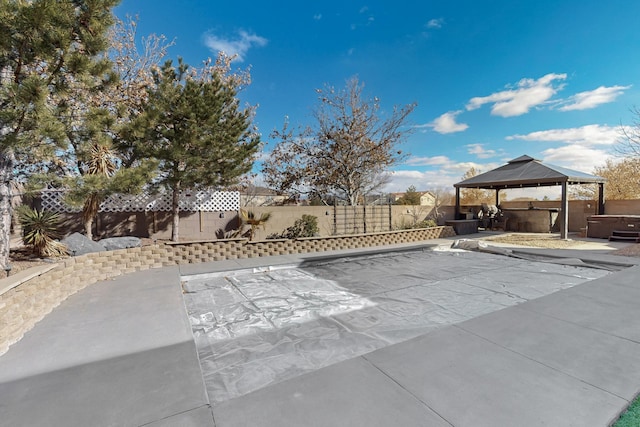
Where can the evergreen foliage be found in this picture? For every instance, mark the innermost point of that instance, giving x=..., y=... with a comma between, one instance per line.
x=193, y=126
x=46, y=47
x=410, y=197
x=95, y=165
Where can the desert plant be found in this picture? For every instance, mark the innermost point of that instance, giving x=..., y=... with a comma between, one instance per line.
x=40, y=229
x=249, y=218
x=307, y=226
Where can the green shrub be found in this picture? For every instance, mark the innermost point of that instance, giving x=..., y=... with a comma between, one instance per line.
x=40, y=229
x=307, y=226
x=425, y=223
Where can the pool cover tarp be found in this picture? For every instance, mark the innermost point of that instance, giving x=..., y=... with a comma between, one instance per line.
x=256, y=328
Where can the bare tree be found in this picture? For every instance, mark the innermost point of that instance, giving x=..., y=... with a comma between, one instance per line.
x=474, y=196
x=623, y=178
x=441, y=197
x=346, y=154
x=629, y=143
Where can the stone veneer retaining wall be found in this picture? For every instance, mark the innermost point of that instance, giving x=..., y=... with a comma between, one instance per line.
x=26, y=304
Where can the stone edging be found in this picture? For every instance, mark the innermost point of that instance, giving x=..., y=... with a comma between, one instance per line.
x=27, y=303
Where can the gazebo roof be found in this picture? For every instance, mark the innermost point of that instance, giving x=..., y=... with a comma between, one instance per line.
x=526, y=171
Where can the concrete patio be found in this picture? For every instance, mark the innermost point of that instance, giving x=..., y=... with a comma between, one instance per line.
x=122, y=352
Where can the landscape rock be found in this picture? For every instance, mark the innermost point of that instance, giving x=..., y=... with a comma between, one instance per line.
x=78, y=244
x=113, y=243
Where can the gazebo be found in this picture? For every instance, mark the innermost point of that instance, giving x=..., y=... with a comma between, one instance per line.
x=527, y=172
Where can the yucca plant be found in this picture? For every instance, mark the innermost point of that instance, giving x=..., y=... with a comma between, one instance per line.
x=253, y=221
x=40, y=229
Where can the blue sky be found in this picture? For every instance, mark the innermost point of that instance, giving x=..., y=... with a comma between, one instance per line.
x=493, y=80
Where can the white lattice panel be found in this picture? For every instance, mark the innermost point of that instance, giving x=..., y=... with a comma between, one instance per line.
x=190, y=201
x=205, y=201
x=52, y=200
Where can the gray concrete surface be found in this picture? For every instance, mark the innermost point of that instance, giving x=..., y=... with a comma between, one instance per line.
x=351, y=393
x=121, y=353
x=117, y=353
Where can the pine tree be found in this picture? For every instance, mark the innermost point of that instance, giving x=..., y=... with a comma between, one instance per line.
x=45, y=45
x=411, y=197
x=95, y=164
x=193, y=126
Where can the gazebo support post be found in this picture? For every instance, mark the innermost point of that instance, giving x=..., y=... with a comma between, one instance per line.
x=564, y=231
x=497, y=197
x=456, y=214
x=600, y=198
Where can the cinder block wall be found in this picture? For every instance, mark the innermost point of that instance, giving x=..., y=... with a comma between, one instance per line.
x=207, y=225
x=622, y=207
x=23, y=306
x=155, y=225
x=283, y=217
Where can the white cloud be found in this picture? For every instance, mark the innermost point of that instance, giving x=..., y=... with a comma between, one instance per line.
x=480, y=151
x=584, y=136
x=446, y=123
x=401, y=180
x=238, y=47
x=448, y=166
x=527, y=94
x=435, y=23
x=575, y=156
x=369, y=18
x=317, y=16
x=428, y=161
x=593, y=98
x=444, y=172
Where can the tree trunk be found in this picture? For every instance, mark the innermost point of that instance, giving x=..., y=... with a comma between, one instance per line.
x=88, y=226
x=6, y=170
x=89, y=212
x=175, y=209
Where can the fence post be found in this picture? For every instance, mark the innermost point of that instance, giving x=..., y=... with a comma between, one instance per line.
x=346, y=222
x=390, y=224
x=364, y=217
x=335, y=217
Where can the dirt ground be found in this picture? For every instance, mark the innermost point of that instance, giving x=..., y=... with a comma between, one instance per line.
x=554, y=242
x=21, y=259
x=537, y=241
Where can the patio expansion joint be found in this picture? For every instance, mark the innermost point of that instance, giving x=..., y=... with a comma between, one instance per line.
x=168, y=417
x=364, y=357
x=458, y=326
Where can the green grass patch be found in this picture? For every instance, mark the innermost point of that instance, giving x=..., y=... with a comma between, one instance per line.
x=631, y=418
